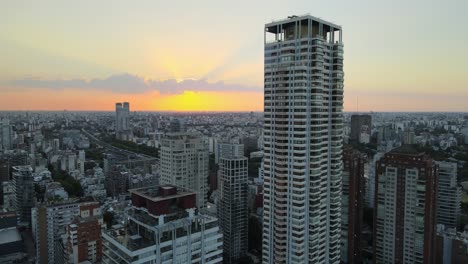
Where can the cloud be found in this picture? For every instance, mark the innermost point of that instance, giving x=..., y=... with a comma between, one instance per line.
x=128, y=83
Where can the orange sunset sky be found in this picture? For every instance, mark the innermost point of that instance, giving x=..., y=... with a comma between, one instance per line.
x=208, y=55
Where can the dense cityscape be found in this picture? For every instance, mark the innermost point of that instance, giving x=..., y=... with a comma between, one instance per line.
x=301, y=182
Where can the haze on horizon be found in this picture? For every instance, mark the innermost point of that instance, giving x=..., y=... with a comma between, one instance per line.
x=208, y=55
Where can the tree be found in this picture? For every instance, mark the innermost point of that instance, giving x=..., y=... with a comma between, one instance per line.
x=39, y=191
x=108, y=218
x=70, y=184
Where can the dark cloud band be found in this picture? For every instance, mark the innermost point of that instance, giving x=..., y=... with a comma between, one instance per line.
x=128, y=83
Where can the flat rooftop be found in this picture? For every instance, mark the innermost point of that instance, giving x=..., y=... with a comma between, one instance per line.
x=294, y=18
x=23, y=168
x=181, y=135
x=9, y=235
x=161, y=192
x=407, y=150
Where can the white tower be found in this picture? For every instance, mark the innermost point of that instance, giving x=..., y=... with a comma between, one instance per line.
x=184, y=163
x=303, y=135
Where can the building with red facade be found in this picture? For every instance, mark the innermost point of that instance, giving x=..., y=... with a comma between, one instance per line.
x=84, y=241
x=352, y=205
x=405, y=207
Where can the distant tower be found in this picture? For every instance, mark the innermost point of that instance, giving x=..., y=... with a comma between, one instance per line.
x=409, y=136
x=357, y=122
x=303, y=135
x=122, y=126
x=177, y=125
x=405, y=207
x=5, y=135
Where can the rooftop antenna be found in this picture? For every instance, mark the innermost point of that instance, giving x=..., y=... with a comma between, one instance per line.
x=357, y=104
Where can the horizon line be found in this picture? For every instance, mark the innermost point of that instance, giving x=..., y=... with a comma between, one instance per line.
x=220, y=111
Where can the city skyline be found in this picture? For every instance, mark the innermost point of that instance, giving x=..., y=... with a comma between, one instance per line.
x=86, y=55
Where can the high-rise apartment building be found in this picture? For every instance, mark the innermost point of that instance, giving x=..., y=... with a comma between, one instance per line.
x=448, y=195
x=184, y=163
x=370, y=183
x=357, y=122
x=451, y=246
x=405, y=207
x=50, y=222
x=303, y=134
x=4, y=175
x=177, y=125
x=409, y=137
x=5, y=134
x=163, y=226
x=83, y=240
x=352, y=205
x=233, y=213
x=23, y=187
x=122, y=125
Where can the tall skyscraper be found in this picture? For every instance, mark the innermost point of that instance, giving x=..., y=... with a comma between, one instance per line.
x=352, y=205
x=122, y=125
x=233, y=209
x=184, y=163
x=5, y=134
x=163, y=226
x=357, y=122
x=303, y=134
x=405, y=207
x=448, y=195
x=23, y=187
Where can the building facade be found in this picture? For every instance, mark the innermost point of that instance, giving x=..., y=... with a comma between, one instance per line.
x=357, y=122
x=83, y=240
x=23, y=187
x=8, y=192
x=451, y=246
x=405, y=207
x=448, y=195
x=233, y=212
x=303, y=135
x=6, y=135
x=352, y=201
x=228, y=150
x=50, y=222
x=163, y=226
x=184, y=163
x=4, y=176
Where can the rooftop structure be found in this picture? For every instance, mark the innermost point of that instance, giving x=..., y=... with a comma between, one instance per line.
x=163, y=200
x=163, y=225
